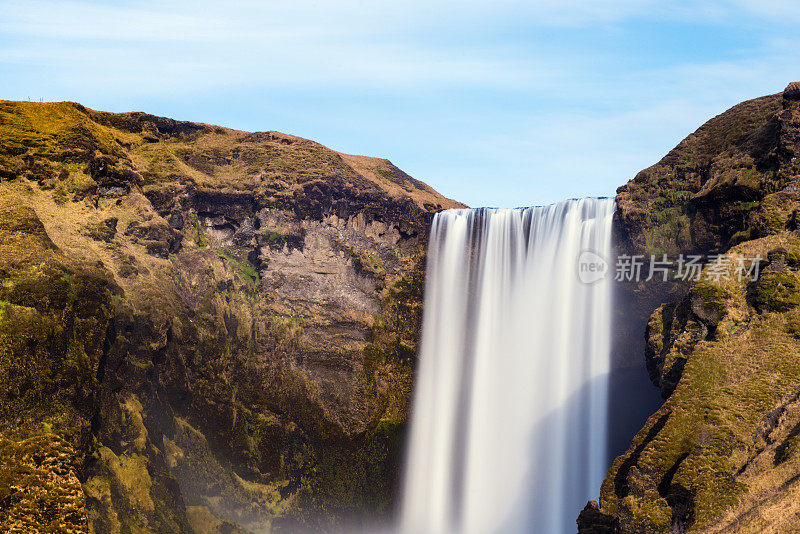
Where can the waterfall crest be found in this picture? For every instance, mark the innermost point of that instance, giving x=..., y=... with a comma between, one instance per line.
x=508, y=431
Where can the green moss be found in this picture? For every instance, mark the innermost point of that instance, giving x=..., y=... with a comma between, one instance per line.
x=45, y=286
x=715, y=179
x=285, y=330
x=75, y=186
x=651, y=514
x=703, y=435
x=777, y=291
x=193, y=320
x=275, y=238
x=389, y=429
x=203, y=521
x=743, y=235
x=668, y=231
x=364, y=261
x=238, y=260
x=132, y=474
x=789, y=255
x=375, y=354
x=793, y=324
x=713, y=297
x=200, y=237
x=39, y=487
x=360, y=475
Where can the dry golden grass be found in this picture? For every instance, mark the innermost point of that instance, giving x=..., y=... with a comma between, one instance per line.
x=397, y=183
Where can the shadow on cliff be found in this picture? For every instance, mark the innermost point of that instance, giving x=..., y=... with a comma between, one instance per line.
x=632, y=395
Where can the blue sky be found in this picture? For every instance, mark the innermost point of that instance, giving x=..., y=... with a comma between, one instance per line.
x=502, y=103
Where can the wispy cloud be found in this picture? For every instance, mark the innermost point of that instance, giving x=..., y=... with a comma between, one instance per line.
x=551, y=97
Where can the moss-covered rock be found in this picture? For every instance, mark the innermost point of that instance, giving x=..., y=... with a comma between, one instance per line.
x=777, y=291
x=40, y=491
x=732, y=180
x=719, y=455
x=684, y=469
x=220, y=324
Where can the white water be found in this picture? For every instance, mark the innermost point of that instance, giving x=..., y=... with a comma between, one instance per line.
x=508, y=429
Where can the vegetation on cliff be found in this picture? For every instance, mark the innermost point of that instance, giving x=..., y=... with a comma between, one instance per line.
x=204, y=329
x=720, y=454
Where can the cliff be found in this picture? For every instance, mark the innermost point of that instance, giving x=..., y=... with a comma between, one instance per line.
x=721, y=454
x=203, y=329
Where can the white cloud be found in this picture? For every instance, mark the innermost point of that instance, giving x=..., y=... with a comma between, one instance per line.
x=377, y=45
x=459, y=90
x=783, y=11
x=160, y=46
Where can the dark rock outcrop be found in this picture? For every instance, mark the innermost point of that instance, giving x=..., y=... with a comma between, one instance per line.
x=719, y=186
x=592, y=521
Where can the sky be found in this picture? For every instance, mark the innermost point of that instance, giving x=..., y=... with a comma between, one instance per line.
x=503, y=103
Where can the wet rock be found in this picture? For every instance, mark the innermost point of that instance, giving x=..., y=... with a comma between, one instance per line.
x=592, y=521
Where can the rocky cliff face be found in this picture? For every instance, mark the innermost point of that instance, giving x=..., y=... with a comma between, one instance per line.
x=720, y=455
x=202, y=329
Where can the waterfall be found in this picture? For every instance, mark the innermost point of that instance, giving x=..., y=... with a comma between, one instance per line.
x=508, y=425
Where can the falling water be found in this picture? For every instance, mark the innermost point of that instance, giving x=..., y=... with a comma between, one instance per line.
x=509, y=419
